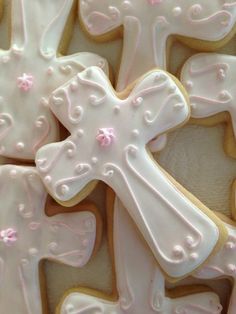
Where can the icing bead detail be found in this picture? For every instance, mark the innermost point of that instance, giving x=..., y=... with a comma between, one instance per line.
x=47, y=179
x=50, y=71
x=80, y=133
x=177, y=11
x=231, y=268
x=8, y=236
x=25, y=82
x=105, y=136
x=20, y=146
x=178, y=251
x=64, y=189
x=94, y=160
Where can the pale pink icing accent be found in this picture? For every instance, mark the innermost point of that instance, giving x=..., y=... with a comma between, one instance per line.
x=8, y=236
x=25, y=82
x=105, y=136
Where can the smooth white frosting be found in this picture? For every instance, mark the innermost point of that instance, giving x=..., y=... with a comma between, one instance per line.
x=155, y=106
x=30, y=70
x=65, y=238
x=223, y=264
x=140, y=284
x=209, y=79
x=148, y=24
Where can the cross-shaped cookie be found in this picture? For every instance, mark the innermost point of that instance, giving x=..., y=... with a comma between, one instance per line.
x=111, y=148
x=30, y=70
x=146, y=26
x=28, y=235
x=209, y=79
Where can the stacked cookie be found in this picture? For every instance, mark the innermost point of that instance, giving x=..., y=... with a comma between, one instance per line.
x=80, y=128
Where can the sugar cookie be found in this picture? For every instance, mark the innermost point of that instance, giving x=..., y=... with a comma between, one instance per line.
x=209, y=79
x=147, y=25
x=140, y=284
x=30, y=70
x=223, y=264
x=28, y=235
x=111, y=148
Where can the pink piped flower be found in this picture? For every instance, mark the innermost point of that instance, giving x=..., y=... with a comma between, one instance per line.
x=153, y=2
x=25, y=82
x=105, y=136
x=8, y=236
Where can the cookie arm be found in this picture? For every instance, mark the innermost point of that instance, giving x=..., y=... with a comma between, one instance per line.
x=82, y=60
x=73, y=239
x=180, y=235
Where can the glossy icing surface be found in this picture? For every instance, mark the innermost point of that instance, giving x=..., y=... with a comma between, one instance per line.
x=209, y=79
x=223, y=264
x=27, y=236
x=30, y=70
x=140, y=284
x=148, y=24
x=112, y=149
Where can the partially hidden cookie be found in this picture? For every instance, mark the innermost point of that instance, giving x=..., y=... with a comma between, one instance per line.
x=146, y=26
x=180, y=230
x=223, y=264
x=209, y=79
x=31, y=69
x=28, y=236
x=139, y=281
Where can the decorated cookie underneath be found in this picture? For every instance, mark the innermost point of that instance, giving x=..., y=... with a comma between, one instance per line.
x=180, y=232
x=223, y=264
x=148, y=24
x=140, y=284
x=28, y=235
x=209, y=79
x=30, y=70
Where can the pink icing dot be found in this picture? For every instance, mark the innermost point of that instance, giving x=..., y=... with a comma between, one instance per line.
x=153, y=2
x=25, y=82
x=8, y=236
x=105, y=136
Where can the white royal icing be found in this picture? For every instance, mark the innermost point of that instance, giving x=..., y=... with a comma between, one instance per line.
x=30, y=70
x=27, y=236
x=223, y=264
x=111, y=148
x=140, y=284
x=209, y=79
x=148, y=24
